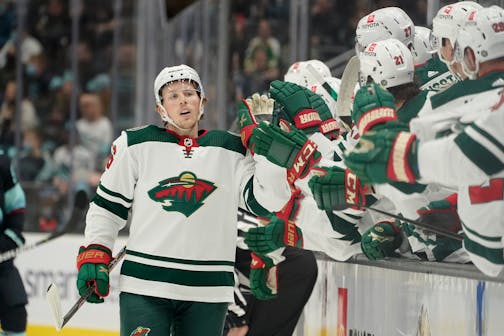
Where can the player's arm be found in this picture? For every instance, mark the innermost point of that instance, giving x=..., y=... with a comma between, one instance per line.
x=109, y=208
x=15, y=202
x=470, y=157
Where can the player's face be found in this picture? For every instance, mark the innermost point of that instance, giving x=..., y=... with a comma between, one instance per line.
x=182, y=103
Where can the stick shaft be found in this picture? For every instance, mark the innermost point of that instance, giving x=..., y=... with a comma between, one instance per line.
x=429, y=227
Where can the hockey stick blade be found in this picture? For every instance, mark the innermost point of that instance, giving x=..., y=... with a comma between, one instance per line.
x=54, y=301
x=433, y=228
x=349, y=79
x=71, y=312
x=78, y=212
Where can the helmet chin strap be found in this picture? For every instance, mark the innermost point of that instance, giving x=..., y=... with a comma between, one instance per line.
x=165, y=117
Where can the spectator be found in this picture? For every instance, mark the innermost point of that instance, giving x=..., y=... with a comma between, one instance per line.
x=94, y=128
x=51, y=26
x=35, y=164
x=7, y=21
x=29, y=119
x=269, y=44
x=260, y=73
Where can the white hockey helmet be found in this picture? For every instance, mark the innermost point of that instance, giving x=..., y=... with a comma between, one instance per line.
x=176, y=73
x=483, y=32
x=299, y=74
x=329, y=99
x=388, y=63
x=448, y=21
x=382, y=24
x=422, y=51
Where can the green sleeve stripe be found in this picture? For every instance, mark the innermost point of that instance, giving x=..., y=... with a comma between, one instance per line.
x=347, y=229
x=176, y=276
x=182, y=261
x=495, y=239
x=115, y=194
x=478, y=154
x=251, y=202
x=494, y=255
x=115, y=208
x=489, y=137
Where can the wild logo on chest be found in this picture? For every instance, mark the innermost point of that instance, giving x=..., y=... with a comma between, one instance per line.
x=184, y=194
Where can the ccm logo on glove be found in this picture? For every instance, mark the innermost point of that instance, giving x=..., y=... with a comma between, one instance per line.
x=309, y=148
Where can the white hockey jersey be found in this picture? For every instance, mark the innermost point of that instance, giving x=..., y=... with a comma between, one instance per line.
x=181, y=196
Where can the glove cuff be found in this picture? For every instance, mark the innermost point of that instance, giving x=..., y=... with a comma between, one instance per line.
x=374, y=117
x=354, y=192
x=330, y=128
x=304, y=159
x=307, y=118
x=94, y=254
x=398, y=167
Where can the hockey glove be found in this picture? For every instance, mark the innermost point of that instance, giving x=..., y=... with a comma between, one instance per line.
x=276, y=234
x=304, y=109
x=92, y=263
x=335, y=188
x=248, y=109
x=263, y=277
x=387, y=155
x=373, y=105
x=442, y=213
x=382, y=240
x=291, y=150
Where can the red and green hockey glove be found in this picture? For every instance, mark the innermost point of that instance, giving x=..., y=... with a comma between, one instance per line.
x=335, y=188
x=248, y=109
x=303, y=109
x=442, y=213
x=277, y=233
x=263, y=277
x=386, y=155
x=291, y=150
x=373, y=105
x=280, y=229
x=382, y=240
x=93, y=262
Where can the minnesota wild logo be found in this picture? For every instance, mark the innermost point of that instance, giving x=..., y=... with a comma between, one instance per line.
x=184, y=194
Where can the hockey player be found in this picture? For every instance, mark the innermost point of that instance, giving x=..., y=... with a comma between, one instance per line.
x=472, y=158
x=12, y=292
x=282, y=287
x=430, y=72
x=180, y=188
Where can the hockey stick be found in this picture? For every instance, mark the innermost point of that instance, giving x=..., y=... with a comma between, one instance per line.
x=329, y=89
x=430, y=227
x=433, y=228
x=78, y=212
x=54, y=301
x=349, y=79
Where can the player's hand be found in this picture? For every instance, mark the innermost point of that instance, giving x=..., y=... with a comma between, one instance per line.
x=238, y=331
x=277, y=233
x=441, y=213
x=335, y=188
x=382, y=240
x=373, y=105
x=263, y=277
x=303, y=109
x=387, y=155
x=291, y=150
x=93, y=265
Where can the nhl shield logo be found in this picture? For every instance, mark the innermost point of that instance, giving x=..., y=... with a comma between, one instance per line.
x=184, y=194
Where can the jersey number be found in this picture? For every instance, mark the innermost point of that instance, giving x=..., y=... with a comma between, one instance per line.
x=111, y=157
x=498, y=27
x=493, y=192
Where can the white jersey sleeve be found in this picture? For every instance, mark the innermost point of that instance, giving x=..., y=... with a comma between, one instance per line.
x=467, y=158
x=109, y=208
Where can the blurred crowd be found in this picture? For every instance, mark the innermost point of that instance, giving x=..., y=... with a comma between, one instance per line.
x=259, y=50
